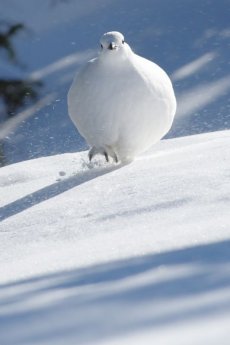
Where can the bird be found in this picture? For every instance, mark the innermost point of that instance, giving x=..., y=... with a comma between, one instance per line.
x=120, y=102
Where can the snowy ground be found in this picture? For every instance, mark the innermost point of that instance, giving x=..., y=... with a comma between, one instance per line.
x=135, y=254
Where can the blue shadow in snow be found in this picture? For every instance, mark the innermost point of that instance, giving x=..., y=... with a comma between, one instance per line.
x=53, y=190
x=90, y=309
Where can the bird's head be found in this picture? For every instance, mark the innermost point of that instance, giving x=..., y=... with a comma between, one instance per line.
x=113, y=42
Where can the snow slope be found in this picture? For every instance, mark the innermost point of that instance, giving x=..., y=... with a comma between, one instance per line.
x=109, y=254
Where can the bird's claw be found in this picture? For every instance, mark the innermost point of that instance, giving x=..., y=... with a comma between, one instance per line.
x=93, y=151
x=106, y=156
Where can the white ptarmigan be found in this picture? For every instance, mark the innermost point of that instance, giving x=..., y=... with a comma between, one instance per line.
x=121, y=103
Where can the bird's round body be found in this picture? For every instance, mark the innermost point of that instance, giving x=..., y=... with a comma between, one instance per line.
x=120, y=102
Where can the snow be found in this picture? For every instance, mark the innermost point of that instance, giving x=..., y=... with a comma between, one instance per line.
x=118, y=254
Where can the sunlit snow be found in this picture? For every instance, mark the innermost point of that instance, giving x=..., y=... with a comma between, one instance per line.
x=134, y=254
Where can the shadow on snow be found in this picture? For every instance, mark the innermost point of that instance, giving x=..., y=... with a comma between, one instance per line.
x=96, y=303
x=53, y=190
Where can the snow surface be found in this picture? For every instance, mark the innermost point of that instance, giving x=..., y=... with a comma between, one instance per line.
x=108, y=254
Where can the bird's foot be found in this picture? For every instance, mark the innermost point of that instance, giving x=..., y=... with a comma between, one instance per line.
x=114, y=156
x=92, y=153
x=105, y=152
x=110, y=151
x=106, y=156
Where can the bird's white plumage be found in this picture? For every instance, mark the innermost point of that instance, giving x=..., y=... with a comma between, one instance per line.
x=120, y=102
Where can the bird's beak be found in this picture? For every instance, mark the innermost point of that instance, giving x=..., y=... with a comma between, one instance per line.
x=112, y=46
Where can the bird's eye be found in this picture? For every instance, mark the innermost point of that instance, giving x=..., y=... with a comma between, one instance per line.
x=101, y=46
x=123, y=41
